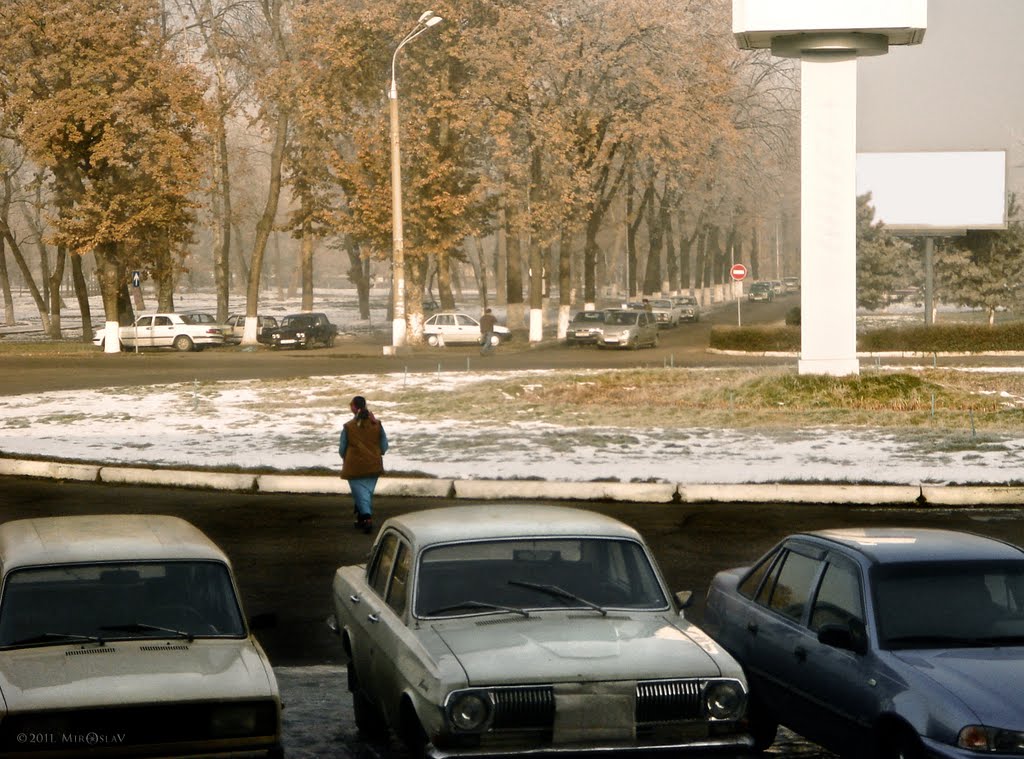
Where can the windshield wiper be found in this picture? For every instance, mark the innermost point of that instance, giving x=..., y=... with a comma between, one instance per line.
x=477, y=605
x=554, y=590
x=143, y=627
x=57, y=638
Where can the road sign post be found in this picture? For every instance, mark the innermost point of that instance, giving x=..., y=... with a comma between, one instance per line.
x=738, y=272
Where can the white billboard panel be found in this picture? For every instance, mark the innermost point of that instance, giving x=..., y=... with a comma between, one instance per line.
x=756, y=22
x=935, y=192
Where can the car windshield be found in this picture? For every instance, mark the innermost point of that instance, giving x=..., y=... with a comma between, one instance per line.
x=298, y=321
x=661, y=303
x=686, y=301
x=526, y=575
x=621, y=317
x=950, y=605
x=584, y=317
x=99, y=602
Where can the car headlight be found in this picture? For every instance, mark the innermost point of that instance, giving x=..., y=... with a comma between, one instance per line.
x=991, y=739
x=724, y=700
x=300, y=335
x=241, y=719
x=469, y=711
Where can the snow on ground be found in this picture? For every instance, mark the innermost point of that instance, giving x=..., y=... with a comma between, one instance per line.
x=294, y=426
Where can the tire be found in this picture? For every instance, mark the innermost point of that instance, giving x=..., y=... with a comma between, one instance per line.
x=183, y=343
x=330, y=341
x=412, y=733
x=634, y=344
x=433, y=341
x=763, y=727
x=899, y=744
x=368, y=719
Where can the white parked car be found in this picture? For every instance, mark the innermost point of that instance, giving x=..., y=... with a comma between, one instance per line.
x=183, y=332
x=123, y=635
x=665, y=311
x=689, y=309
x=452, y=327
x=497, y=630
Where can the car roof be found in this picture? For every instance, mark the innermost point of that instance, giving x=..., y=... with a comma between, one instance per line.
x=884, y=545
x=112, y=537
x=489, y=521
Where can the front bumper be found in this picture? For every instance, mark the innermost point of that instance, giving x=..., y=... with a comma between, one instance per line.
x=731, y=746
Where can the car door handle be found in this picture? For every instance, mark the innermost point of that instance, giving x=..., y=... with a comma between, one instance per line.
x=373, y=618
x=800, y=653
x=752, y=628
x=354, y=598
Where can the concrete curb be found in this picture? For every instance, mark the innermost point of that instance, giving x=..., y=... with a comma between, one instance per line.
x=484, y=490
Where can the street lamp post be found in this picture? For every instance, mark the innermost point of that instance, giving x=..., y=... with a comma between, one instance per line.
x=398, y=327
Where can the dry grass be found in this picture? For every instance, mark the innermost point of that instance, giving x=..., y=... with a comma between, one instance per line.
x=738, y=399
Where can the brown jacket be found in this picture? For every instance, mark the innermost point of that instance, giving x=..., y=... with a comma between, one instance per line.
x=363, y=456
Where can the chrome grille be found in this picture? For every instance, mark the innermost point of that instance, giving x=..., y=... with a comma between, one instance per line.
x=668, y=700
x=517, y=708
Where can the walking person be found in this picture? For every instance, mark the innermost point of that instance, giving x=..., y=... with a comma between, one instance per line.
x=362, y=446
x=487, y=336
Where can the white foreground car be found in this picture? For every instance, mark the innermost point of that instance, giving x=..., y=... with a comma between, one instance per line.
x=504, y=630
x=124, y=636
x=183, y=332
x=450, y=327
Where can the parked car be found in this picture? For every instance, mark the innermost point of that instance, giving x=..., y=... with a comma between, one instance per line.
x=777, y=287
x=761, y=291
x=235, y=328
x=183, y=332
x=628, y=328
x=881, y=643
x=585, y=328
x=453, y=327
x=123, y=635
x=689, y=309
x=791, y=284
x=665, y=312
x=502, y=630
x=302, y=331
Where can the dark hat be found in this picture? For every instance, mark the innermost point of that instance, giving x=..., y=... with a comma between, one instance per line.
x=359, y=402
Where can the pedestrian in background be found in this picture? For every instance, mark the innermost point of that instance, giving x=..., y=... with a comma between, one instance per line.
x=362, y=447
x=487, y=324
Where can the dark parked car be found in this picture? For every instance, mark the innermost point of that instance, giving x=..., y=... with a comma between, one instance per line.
x=881, y=643
x=761, y=291
x=585, y=328
x=303, y=331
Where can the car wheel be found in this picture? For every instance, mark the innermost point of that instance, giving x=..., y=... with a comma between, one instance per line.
x=369, y=720
x=654, y=344
x=432, y=341
x=762, y=727
x=330, y=341
x=900, y=744
x=183, y=343
x=412, y=733
x=634, y=344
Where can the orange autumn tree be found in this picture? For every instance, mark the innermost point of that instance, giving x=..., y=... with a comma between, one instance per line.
x=96, y=97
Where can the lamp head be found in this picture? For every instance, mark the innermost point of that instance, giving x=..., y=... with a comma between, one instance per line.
x=425, y=16
x=433, y=21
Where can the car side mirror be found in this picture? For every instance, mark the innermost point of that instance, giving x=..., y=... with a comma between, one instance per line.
x=852, y=637
x=684, y=598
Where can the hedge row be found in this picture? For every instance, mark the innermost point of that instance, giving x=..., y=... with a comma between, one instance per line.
x=946, y=338
x=938, y=338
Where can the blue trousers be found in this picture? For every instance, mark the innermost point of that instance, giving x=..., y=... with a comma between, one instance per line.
x=362, y=493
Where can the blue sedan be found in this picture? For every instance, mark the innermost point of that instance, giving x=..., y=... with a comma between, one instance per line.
x=881, y=643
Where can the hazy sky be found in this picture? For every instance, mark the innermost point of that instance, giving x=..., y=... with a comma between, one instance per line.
x=961, y=89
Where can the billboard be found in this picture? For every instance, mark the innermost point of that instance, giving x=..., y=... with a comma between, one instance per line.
x=935, y=192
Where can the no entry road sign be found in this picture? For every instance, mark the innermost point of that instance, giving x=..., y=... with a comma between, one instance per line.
x=738, y=272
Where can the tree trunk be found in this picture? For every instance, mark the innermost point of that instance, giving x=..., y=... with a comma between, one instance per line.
x=357, y=275
x=306, y=254
x=514, y=279
x=5, y=283
x=655, y=243
x=565, y=293
x=56, y=277
x=444, y=282
x=415, y=276
x=263, y=230
x=82, y=294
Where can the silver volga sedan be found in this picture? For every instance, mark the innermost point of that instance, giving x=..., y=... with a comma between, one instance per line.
x=505, y=630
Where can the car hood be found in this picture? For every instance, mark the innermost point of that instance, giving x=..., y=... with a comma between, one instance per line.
x=565, y=648
x=617, y=329
x=132, y=671
x=986, y=680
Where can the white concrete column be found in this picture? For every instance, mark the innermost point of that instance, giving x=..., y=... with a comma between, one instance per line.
x=828, y=226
